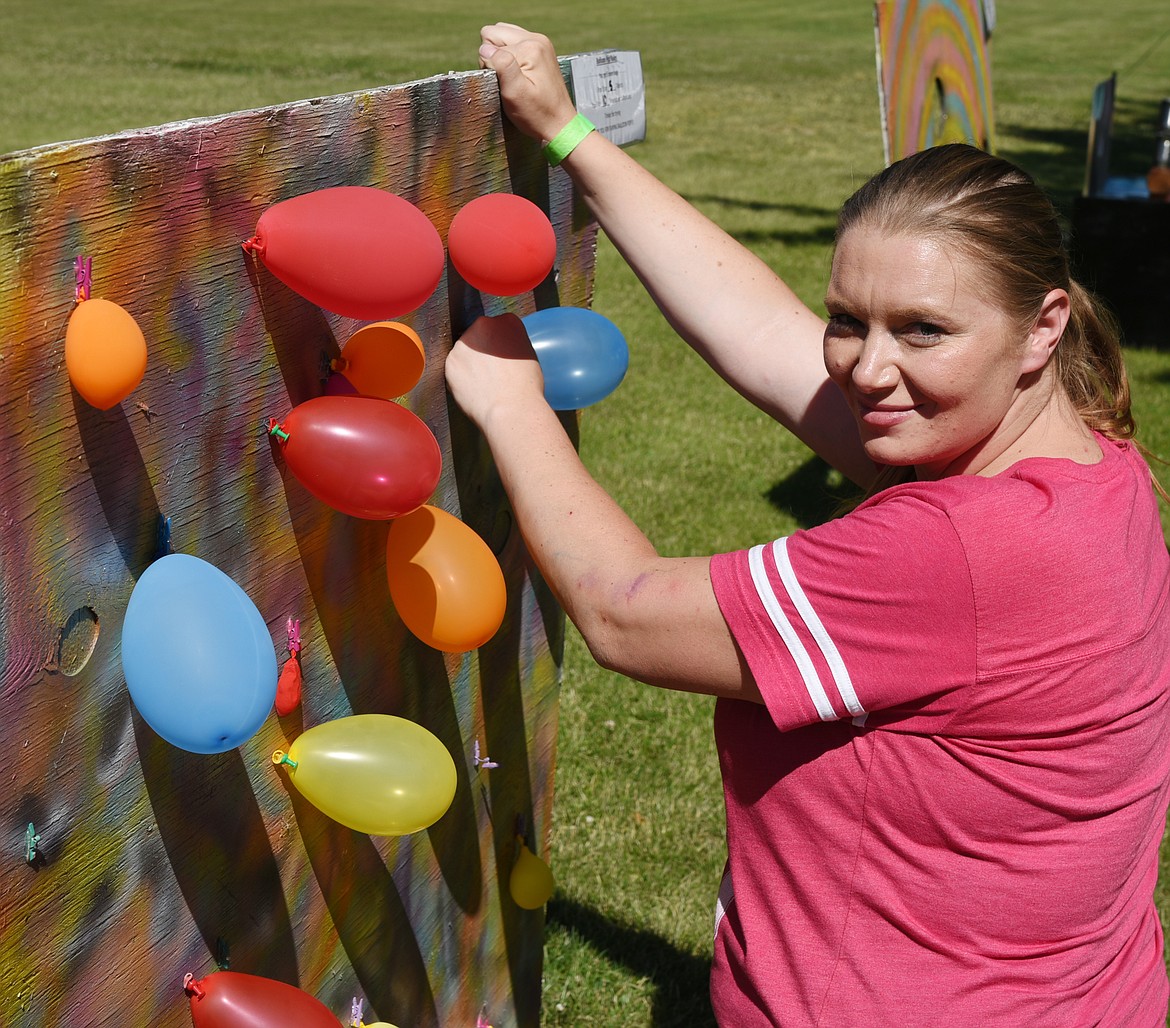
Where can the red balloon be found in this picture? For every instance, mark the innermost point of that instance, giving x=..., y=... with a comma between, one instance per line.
x=354, y=250
x=228, y=999
x=502, y=244
x=364, y=456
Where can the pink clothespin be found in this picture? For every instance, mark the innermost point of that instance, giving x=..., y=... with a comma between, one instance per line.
x=83, y=276
x=483, y=763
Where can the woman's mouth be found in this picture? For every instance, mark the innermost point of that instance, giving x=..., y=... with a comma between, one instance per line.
x=883, y=415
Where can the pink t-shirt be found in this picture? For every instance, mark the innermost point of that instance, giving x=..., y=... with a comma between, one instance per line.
x=950, y=807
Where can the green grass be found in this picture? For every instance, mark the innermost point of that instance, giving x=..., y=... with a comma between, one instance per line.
x=765, y=116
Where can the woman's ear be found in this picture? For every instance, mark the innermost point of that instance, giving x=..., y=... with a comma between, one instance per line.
x=1047, y=329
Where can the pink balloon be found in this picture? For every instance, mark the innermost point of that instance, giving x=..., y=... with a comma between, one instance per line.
x=338, y=385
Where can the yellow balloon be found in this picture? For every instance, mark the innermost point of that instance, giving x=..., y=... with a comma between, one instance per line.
x=531, y=882
x=445, y=581
x=375, y=773
x=384, y=359
x=105, y=352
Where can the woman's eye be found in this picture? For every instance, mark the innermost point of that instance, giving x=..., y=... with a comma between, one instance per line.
x=925, y=330
x=842, y=324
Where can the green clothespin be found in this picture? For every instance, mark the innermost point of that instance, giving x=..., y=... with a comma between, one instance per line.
x=30, y=844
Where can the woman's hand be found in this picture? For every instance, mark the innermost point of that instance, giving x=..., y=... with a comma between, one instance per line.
x=532, y=86
x=651, y=618
x=493, y=365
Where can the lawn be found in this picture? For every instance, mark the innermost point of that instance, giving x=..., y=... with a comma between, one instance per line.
x=765, y=116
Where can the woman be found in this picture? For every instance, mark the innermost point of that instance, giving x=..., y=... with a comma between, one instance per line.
x=943, y=716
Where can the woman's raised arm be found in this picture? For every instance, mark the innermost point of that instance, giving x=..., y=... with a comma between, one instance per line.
x=731, y=308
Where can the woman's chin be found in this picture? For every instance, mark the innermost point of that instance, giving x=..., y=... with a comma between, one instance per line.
x=890, y=453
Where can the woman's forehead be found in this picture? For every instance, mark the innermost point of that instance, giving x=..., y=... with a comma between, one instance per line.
x=904, y=273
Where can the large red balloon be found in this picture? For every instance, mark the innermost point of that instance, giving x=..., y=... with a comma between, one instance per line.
x=364, y=456
x=228, y=999
x=354, y=250
x=502, y=244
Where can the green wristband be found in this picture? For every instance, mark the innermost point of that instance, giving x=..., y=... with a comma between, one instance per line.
x=565, y=141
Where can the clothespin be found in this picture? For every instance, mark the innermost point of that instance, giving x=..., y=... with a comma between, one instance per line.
x=83, y=276
x=162, y=536
x=31, y=839
x=483, y=763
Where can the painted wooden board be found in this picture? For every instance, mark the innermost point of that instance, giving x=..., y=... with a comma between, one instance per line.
x=934, y=73
x=153, y=862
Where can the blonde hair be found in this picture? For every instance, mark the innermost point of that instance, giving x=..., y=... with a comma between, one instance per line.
x=996, y=215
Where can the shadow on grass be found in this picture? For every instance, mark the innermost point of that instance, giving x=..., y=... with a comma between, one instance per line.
x=680, y=979
x=1055, y=157
x=821, y=234
x=813, y=494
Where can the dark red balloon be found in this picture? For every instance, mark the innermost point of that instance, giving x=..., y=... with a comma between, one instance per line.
x=362, y=455
x=228, y=999
x=502, y=244
x=354, y=250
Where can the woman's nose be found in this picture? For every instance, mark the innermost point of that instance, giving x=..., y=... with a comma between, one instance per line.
x=876, y=367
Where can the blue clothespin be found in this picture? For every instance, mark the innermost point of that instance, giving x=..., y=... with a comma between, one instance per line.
x=162, y=537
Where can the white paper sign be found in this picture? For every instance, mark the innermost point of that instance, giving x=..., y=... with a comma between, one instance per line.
x=609, y=91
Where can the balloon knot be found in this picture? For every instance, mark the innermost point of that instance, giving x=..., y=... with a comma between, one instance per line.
x=192, y=987
x=275, y=429
x=280, y=757
x=253, y=245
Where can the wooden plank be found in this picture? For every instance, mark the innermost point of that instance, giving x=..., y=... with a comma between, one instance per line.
x=151, y=858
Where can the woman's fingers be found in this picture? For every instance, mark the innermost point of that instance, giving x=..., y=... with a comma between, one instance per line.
x=532, y=86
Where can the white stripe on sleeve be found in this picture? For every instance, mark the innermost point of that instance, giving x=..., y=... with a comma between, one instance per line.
x=787, y=633
x=817, y=630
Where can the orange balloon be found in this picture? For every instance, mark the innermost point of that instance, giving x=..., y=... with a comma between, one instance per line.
x=105, y=352
x=444, y=580
x=384, y=359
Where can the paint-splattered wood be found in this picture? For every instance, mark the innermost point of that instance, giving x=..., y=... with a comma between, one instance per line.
x=153, y=862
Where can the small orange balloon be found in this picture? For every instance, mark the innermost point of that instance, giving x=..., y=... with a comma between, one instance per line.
x=444, y=580
x=105, y=352
x=384, y=359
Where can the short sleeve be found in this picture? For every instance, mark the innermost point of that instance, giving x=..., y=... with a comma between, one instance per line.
x=871, y=612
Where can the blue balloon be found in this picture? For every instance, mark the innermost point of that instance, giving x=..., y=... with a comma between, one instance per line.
x=197, y=655
x=583, y=356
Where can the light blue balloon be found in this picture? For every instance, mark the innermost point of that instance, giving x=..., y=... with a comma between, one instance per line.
x=583, y=356
x=197, y=655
